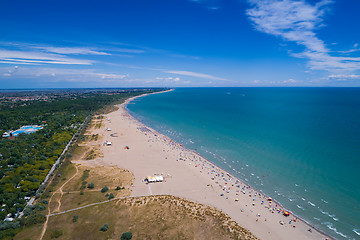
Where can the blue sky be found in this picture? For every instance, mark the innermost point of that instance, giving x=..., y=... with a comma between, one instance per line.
x=179, y=43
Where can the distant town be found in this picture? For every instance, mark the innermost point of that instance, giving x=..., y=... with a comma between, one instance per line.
x=14, y=98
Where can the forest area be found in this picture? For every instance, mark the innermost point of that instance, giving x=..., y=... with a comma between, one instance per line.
x=26, y=159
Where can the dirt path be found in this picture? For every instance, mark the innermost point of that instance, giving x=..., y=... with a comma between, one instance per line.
x=94, y=204
x=59, y=202
x=47, y=218
x=61, y=189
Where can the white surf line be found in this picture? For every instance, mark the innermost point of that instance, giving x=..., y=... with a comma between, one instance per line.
x=150, y=189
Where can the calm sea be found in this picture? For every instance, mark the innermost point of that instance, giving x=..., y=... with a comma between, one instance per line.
x=299, y=145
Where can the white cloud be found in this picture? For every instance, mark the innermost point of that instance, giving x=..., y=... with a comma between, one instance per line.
x=111, y=76
x=323, y=61
x=341, y=77
x=103, y=49
x=71, y=50
x=58, y=75
x=290, y=80
x=194, y=74
x=35, y=54
x=39, y=58
x=127, y=50
x=211, y=4
x=355, y=48
x=296, y=21
x=179, y=72
x=185, y=56
x=11, y=71
x=213, y=8
x=290, y=19
x=168, y=79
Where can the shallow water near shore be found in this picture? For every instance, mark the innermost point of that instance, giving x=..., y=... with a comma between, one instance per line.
x=299, y=145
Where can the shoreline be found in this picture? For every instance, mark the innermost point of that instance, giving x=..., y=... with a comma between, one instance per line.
x=227, y=173
x=265, y=207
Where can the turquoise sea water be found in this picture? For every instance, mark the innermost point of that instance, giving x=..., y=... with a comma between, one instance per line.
x=299, y=145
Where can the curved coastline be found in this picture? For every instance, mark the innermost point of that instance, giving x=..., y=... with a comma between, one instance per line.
x=277, y=203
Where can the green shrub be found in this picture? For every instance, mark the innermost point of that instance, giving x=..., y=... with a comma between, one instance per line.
x=104, y=189
x=85, y=174
x=111, y=196
x=75, y=218
x=39, y=207
x=91, y=185
x=27, y=210
x=83, y=185
x=126, y=236
x=34, y=218
x=104, y=228
x=56, y=233
x=46, y=194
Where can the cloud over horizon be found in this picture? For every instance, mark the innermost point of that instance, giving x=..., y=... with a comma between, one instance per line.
x=64, y=74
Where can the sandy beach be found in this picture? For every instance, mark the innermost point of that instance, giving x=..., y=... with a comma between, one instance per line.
x=190, y=176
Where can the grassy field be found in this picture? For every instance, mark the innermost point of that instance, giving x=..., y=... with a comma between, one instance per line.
x=154, y=217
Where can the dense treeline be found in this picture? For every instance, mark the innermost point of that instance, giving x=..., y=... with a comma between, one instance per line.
x=26, y=160
x=15, y=117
